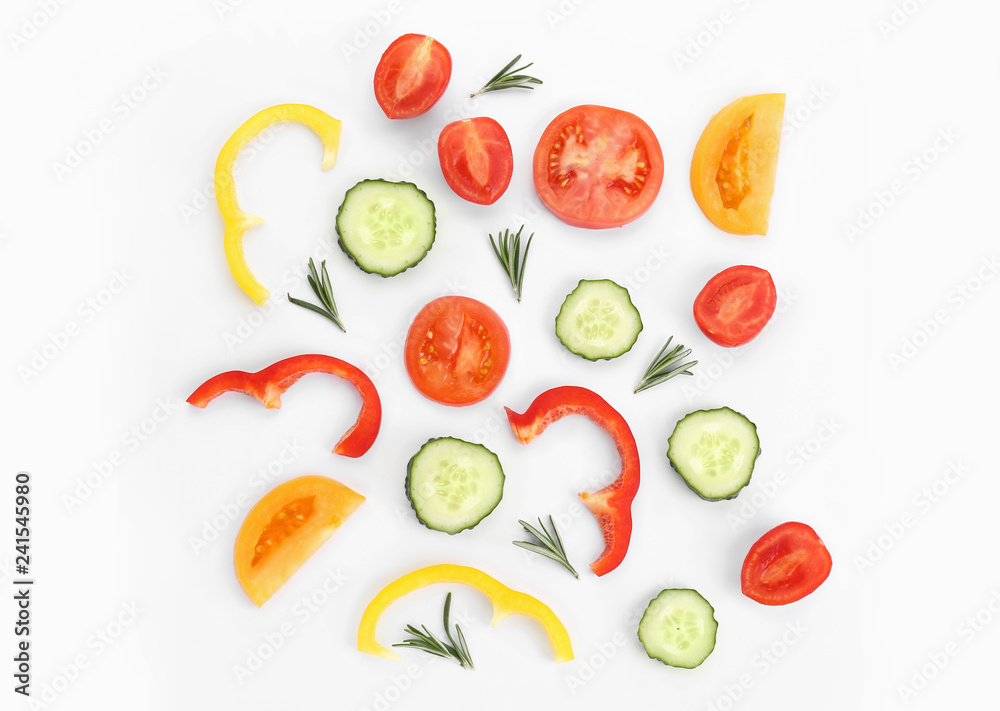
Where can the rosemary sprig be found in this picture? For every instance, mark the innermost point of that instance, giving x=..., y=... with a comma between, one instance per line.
x=507, y=248
x=428, y=642
x=507, y=79
x=664, y=367
x=551, y=545
x=324, y=292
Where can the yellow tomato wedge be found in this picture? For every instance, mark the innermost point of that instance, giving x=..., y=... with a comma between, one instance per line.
x=505, y=601
x=735, y=161
x=238, y=222
x=285, y=528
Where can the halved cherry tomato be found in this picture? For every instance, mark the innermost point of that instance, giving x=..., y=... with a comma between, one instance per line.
x=457, y=350
x=411, y=76
x=476, y=159
x=735, y=161
x=598, y=167
x=785, y=565
x=735, y=305
x=285, y=528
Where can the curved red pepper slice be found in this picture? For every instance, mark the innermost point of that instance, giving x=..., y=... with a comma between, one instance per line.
x=612, y=505
x=267, y=386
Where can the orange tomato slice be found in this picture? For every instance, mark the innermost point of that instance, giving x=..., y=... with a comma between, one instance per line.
x=285, y=528
x=735, y=161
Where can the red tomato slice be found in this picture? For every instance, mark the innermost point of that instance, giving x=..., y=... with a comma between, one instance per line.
x=457, y=350
x=785, y=565
x=476, y=159
x=598, y=167
x=411, y=76
x=735, y=305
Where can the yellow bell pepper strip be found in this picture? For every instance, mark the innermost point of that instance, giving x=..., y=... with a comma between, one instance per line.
x=505, y=601
x=238, y=222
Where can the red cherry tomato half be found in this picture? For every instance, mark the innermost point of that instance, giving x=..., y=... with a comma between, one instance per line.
x=598, y=167
x=411, y=76
x=476, y=159
x=457, y=350
x=735, y=305
x=785, y=565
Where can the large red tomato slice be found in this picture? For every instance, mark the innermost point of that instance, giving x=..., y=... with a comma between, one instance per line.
x=735, y=305
x=785, y=565
x=457, y=350
x=476, y=159
x=411, y=76
x=598, y=167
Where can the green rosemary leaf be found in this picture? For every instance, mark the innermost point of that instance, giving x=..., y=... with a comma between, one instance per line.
x=507, y=248
x=321, y=286
x=507, y=78
x=427, y=641
x=549, y=545
x=666, y=366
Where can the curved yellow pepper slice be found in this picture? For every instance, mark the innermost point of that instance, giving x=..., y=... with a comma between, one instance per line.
x=505, y=601
x=238, y=222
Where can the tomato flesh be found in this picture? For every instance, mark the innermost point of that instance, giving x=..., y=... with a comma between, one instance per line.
x=598, y=167
x=411, y=76
x=733, y=176
x=284, y=523
x=735, y=305
x=785, y=564
x=457, y=350
x=476, y=159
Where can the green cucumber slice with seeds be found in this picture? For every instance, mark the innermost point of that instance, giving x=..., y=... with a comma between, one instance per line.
x=678, y=628
x=452, y=484
x=715, y=452
x=386, y=227
x=598, y=320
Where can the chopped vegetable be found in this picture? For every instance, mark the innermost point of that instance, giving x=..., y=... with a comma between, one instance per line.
x=507, y=78
x=612, y=505
x=238, y=222
x=549, y=544
x=598, y=167
x=452, y=485
x=787, y=563
x=598, y=320
x=507, y=249
x=735, y=161
x=323, y=289
x=715, y=452
x=411, y=76
x=457, y=350
x=268, y=384
x=735, y=305
x=428, y=641
x=476, y=159
x=678, y=628
x=505, y=601
x=386, y=227
x=665, y=366
x=284, y=529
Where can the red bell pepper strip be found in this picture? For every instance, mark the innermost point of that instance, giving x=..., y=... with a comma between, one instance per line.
x=267, y=386
x=612, y=505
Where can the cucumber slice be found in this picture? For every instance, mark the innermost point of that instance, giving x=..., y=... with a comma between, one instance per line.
x=598, y=320
x=452, y=484
x=386, y=227
x=715, y=452
x=678, y=628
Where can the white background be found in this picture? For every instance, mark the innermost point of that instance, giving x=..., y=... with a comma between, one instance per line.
x=876, y=374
